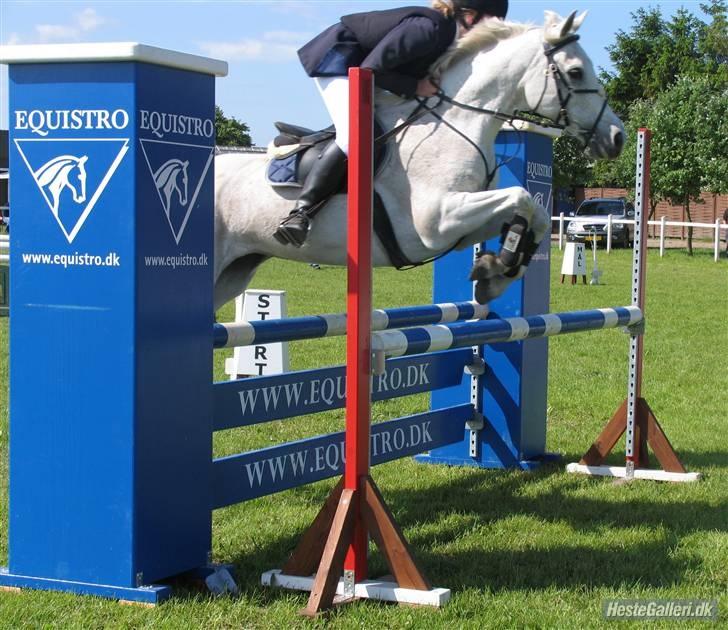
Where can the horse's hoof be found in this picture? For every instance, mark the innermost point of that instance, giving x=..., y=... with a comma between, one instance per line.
x=483, y=292
x=487, y=265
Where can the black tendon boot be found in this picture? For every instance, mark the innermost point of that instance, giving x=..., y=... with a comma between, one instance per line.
x=323, y=180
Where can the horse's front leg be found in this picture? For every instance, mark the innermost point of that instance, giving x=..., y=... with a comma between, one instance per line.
x=510, y=212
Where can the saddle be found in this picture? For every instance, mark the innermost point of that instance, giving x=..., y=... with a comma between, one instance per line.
x=291, y=160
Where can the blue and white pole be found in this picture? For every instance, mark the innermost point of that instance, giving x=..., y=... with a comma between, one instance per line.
x=315, y=326
x=395, y=343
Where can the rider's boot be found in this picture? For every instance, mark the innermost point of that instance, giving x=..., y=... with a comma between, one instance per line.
x=323, y=180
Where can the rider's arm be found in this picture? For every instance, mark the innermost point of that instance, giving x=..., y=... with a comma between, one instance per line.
x=411, y=39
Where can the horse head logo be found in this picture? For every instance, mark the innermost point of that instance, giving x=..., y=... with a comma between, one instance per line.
x=171, y=178
x=64, y=171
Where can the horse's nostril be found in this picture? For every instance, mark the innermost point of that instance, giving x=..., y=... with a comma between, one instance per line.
x=618, y=141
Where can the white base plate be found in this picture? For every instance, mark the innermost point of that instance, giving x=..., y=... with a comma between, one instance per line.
x=368, y=589
x=639, y=473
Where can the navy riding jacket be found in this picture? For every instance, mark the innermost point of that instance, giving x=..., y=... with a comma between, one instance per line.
x=399, y=45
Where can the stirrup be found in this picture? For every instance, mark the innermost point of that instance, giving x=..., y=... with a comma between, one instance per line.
x=287, y=234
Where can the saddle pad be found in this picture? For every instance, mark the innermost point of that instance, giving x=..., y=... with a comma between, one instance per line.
x=283, y=172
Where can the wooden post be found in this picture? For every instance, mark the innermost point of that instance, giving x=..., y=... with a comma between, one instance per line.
x=359, y=302
x=337, y=540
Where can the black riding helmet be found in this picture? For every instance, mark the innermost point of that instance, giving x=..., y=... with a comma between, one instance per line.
x=496, y=8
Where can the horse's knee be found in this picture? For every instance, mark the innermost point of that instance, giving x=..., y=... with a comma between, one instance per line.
x=523, y=203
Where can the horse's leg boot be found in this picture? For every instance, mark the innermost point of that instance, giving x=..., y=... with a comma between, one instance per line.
x=323, y=180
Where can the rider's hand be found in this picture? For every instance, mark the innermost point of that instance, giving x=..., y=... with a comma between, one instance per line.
x=426, y=88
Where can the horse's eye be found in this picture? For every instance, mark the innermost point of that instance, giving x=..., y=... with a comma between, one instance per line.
x=576, y=73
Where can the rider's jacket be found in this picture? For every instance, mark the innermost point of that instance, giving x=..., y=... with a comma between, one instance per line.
x=399, y=45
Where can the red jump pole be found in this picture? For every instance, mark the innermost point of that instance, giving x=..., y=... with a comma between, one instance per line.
x=338, y=537
x=359, y=303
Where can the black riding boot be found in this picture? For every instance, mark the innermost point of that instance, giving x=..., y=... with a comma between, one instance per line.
x=323, y=180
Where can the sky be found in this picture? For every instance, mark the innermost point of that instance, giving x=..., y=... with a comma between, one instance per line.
x=259, y=40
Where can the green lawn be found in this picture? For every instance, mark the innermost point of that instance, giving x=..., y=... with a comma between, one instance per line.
x=542, y=549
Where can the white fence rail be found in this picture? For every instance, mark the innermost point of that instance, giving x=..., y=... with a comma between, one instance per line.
x=663, y=223
x=4, y=249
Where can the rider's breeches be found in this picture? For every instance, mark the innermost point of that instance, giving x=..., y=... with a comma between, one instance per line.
x=335, y=92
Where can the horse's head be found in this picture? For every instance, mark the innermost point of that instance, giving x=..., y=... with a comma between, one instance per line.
x=500, y=66
x=77, y=180
x=561, y=84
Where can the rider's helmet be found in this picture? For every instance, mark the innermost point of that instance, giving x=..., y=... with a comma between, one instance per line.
x=495, y=8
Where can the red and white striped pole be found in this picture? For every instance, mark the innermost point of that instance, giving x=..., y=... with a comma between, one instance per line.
x=359, y=305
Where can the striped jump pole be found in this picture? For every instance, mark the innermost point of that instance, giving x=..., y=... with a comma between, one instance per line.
x=395, y=343
x=234, y=335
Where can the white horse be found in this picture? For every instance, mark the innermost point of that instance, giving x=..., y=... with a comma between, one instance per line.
x=64, y=171
x=434, y=181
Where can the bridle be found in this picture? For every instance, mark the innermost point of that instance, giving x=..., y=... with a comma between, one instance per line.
x=564, y=98
x=564, y=91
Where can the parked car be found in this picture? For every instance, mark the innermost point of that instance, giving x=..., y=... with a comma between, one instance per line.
x=590, y=221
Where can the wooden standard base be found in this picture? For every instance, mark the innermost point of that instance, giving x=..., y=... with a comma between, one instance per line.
x=647, y=432
x=323, y=548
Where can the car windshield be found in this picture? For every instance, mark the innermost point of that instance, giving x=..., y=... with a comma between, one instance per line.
x=599, y=208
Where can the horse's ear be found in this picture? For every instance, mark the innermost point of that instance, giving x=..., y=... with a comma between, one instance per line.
x=579, y=21
x=558, y=28
x=551, y=18
x=82, y=159
x=568, y=25
x=552, y=27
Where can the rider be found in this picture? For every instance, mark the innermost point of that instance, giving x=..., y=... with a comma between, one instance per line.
x=399, y=46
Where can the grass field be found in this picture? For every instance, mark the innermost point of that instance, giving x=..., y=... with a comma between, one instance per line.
x=542, y=549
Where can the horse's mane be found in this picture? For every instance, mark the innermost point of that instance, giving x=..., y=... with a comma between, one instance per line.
x=483, y=34
x=50, y=170
x=165, y=172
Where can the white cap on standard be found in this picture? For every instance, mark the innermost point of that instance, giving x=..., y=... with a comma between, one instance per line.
x=109, y=52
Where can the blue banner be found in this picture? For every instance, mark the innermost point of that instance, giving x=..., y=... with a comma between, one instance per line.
x=265, y=398
x=258, y=473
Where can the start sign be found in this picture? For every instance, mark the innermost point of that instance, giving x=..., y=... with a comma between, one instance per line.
x=259, y=360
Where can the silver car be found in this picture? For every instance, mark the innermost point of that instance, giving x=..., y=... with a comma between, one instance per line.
x=590, y=221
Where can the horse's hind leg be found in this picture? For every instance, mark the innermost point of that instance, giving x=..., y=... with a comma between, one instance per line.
x=235, y=278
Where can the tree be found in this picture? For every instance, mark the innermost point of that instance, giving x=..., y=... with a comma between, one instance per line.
x=230, y=131
x=621, y=172
x=650, y=57
x=631, y=55
x=571, y=165
x=713, y=42
x=689, y=151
